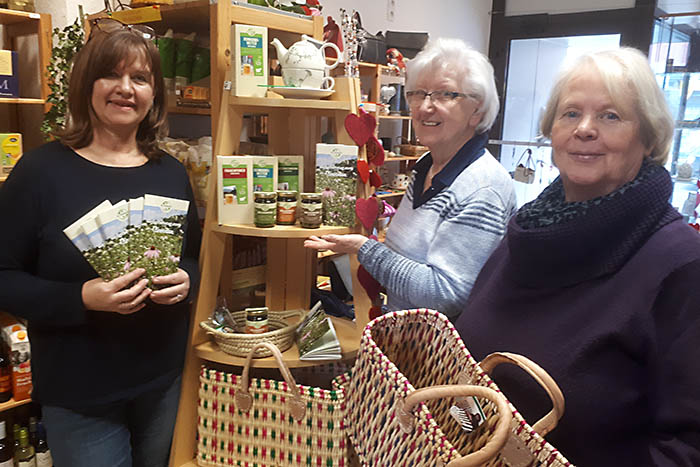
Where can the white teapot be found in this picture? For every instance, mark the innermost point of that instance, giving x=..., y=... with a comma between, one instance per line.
x=304, y=63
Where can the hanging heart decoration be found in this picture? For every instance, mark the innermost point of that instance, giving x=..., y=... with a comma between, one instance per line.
x=375, y=151
x=357, y=130
x=363, y=170
x=367, y=211
x=374, y=179
x=367, y=119
x=369, y=283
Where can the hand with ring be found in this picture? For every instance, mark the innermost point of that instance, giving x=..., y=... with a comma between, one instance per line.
x=177, y=286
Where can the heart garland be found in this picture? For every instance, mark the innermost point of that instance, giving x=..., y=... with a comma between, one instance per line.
x=368, y=211
x=363, y=170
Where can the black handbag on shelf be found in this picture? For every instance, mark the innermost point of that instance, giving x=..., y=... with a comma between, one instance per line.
x=408, y=43
x=371, y=47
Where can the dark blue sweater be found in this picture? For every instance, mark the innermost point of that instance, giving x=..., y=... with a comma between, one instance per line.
x=607, y=303
x=82, y=357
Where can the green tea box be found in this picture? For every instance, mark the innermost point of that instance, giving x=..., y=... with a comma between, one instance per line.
x=249, y=61
x=336, y=180
x=264, y=173
x=235, y=189
x=290, y=173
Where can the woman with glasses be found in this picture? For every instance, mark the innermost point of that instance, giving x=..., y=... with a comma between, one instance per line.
x=459, y=197
x=597, y=279
x=107, y=355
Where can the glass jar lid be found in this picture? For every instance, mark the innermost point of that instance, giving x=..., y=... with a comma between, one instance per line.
x=265, y=194
x=311, y=196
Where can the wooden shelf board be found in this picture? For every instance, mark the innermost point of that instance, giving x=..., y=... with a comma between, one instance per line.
x=272, y=19
x=11, y=404
x=394, y=117
x=391, y=195
x=173, y=109
x=3, y=178
x=192, y=463
x=15, y=16
x=279, y=231
x=402, y=158
x=270, y=102
x=21, y=100
x=348, y=335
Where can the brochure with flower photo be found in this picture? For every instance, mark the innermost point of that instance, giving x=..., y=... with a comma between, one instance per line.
x=316, y=337
x=76, y=234
x=336, y=180
x=158, y=244
x=114, y=225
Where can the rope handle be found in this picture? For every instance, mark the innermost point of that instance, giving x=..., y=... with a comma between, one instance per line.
x=244, y=400
x=529, y=162
x=498, y=439
x=549, y=421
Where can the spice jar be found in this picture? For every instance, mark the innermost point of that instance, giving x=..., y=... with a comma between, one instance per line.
x=256, y=320
x=265, y=208
x=286, y=207
x=311, y=210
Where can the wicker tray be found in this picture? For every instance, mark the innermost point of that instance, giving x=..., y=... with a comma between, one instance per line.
x=240, y=344
x=412, y=149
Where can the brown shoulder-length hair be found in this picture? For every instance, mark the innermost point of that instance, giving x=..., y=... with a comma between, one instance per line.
x=101, y=55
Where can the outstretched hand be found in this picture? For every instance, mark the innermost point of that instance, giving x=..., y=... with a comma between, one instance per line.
x=349, y=243
x=116, y=296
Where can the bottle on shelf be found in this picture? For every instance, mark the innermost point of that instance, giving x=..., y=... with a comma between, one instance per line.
x=5, y=376
x=15, y=437
x=32, y=431
x=24, y=456
x=43, y=453
x=5, y=450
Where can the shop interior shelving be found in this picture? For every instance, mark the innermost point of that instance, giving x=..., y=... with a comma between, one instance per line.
x=294, y=127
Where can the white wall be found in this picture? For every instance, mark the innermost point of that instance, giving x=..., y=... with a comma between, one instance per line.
x=465, y=19
x=64, y=12
x=531, y=7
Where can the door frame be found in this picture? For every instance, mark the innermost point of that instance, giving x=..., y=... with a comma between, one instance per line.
x=635, y=26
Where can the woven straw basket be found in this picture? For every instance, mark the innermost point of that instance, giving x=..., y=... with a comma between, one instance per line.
x=240, y=343
x=392, y=424
x=262, y=422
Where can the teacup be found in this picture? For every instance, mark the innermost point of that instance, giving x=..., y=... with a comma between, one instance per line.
x=400, y=182
x=306, y=78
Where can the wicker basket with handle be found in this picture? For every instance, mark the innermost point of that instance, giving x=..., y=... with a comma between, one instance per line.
x=390, y=422
x=240, y=344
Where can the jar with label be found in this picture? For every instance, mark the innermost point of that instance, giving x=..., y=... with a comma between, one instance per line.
x=256, y=320
x=311, y=210
x=286, y=207
x=265, y=208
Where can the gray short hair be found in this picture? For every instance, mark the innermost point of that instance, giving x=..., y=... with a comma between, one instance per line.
x=628, y=77
x=469, y=67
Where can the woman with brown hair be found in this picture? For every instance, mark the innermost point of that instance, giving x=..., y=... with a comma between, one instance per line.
x=107, y=355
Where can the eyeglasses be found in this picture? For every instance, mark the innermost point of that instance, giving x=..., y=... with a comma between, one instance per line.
x=110, y=25
x=416, y=98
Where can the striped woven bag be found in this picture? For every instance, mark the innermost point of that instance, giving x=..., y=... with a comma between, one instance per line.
x=390, y=423
x=260, y=422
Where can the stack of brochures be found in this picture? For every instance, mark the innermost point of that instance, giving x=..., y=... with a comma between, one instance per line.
x=316, y=337
x=144, y=232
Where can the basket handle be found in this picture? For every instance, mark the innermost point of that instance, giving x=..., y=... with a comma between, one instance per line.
x=500, y=434
x=244, y=401
x=549, y=421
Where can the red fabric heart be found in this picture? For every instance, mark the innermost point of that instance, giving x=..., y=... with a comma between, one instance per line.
x=369, y=283
x=367, y=211
x=368, y=120
x=374, y=179
x=375, y=151
x=357, y=130
x=363, y=170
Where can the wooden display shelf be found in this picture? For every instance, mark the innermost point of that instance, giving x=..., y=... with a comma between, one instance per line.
x=3, y=178
x=348, y=334
x=402, y=158
x=174, y=109
x=394, y=117
x=285, y=103
x=16, y=16
x=11, y=404
x=391, y=195
x=21, y=100
x=279, y=231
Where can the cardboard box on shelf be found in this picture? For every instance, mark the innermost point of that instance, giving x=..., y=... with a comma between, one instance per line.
x=10, y=151
x=249, y=60
x=16, y=341
x=9, y=82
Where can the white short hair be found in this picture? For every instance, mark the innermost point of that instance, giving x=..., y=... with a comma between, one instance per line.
x=469, y=67
x=630, y=82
